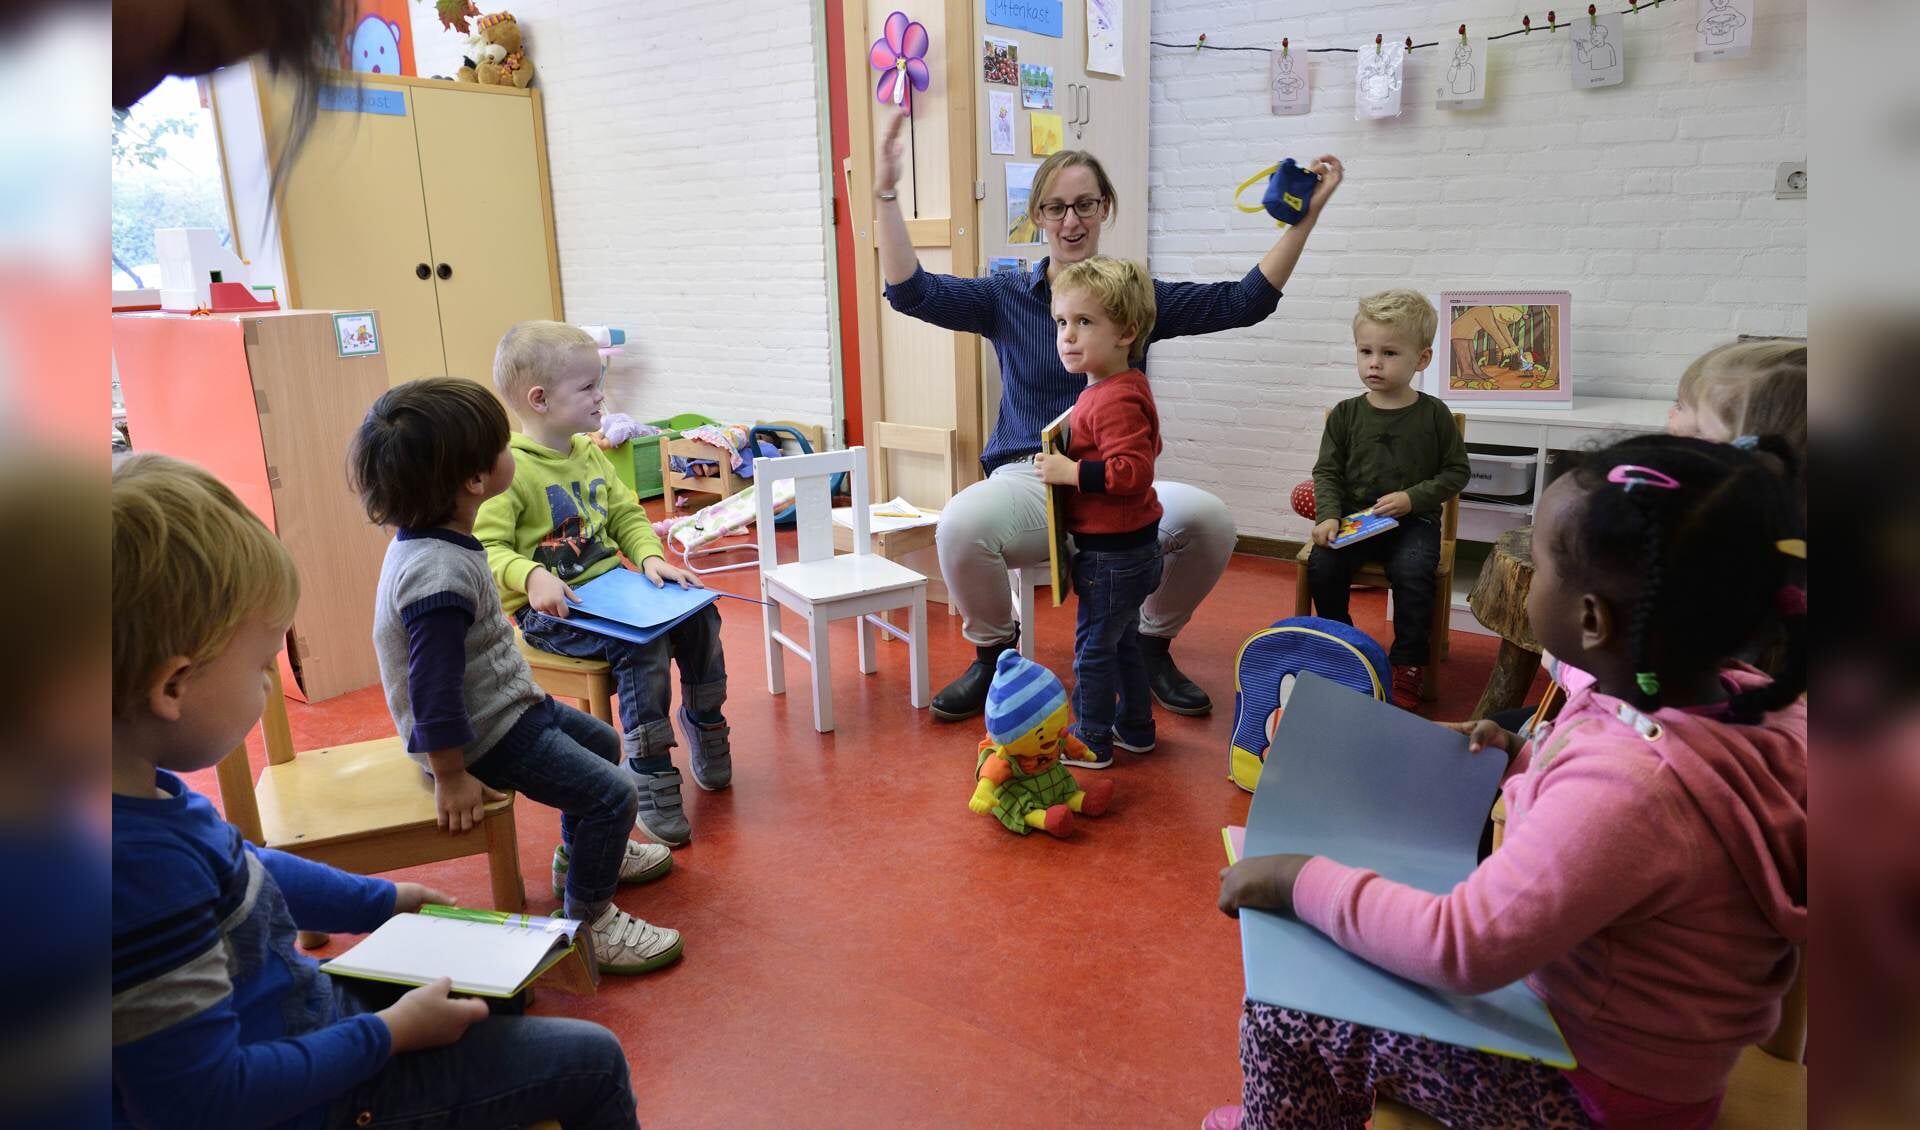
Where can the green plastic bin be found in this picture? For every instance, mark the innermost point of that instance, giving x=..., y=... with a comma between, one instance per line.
x=637, y=461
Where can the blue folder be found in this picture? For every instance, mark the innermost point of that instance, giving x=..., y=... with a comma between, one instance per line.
x=624, y=604
x=1369, y=785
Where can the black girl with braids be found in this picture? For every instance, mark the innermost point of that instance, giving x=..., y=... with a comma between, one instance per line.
x=1664, y=560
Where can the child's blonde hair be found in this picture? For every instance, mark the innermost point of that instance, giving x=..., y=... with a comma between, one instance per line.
x=1402, y=311
x=528, y=356
x=1124, y=291
x=1763, y=379
x=190, y=564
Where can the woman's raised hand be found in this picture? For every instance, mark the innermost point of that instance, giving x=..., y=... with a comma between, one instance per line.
x=1331, y=172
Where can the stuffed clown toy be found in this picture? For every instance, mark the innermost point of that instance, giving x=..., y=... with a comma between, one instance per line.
x=1019, y=779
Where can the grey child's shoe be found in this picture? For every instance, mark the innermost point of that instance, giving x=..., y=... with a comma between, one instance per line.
x=712, y=751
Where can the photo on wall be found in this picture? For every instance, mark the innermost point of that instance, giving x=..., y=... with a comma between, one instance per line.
x=1022, y=231
x=1000, y=61
x=1511, y=347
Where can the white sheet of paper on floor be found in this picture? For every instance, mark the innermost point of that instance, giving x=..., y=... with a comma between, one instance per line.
x=1378, y=76
x=1723, y=29
x=1463, y=81
x=1599, y=51
x=1290, y=85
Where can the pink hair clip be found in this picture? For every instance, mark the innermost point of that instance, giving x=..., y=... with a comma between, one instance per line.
x=1630, y=475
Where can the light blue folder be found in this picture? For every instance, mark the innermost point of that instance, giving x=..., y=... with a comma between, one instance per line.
x=1369, y=785
x=625, y=605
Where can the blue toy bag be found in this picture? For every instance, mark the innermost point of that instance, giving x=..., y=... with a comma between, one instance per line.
x=1267, y=666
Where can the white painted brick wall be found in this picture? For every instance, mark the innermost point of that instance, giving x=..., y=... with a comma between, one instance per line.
x=1651, y=201
x=684, y=150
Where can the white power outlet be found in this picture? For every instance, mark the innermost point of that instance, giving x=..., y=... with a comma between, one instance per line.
x=1790, y=181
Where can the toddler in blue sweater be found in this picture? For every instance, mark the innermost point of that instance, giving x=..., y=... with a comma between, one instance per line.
x=218, y=1019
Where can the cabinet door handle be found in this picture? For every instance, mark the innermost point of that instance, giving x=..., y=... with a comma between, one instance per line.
x=422, y=271
x=444, y=271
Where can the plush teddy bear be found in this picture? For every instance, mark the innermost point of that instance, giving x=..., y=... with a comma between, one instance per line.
x=1019, y=780
x=497, y=57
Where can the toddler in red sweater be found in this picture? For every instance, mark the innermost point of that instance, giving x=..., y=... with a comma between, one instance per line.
x=1102, y=314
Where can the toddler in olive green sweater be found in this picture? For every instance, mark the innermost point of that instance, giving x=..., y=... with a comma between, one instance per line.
x=1394, y=450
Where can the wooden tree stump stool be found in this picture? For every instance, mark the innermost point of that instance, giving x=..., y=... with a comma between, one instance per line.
x=1499, y=601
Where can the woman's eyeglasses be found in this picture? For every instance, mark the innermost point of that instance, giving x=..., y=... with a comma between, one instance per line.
x=1084, y=208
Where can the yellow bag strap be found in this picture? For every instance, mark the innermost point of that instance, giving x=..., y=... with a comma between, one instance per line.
x=1256, y=178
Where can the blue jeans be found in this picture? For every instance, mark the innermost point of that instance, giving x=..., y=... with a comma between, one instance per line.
x=1110, y=677
x=1411, y=553
x=571, y=761
x=640, y=676
x=505, y=1071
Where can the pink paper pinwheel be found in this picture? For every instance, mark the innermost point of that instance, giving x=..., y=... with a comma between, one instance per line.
x=901, y=56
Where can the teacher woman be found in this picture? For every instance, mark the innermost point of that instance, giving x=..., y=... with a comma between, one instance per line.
x=1000, y=522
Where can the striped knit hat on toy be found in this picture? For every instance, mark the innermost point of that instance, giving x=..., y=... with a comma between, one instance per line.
x=1022, y=696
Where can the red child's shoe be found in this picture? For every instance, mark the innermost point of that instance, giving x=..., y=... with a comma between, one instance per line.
x=1406, y=687
x=1059, y=820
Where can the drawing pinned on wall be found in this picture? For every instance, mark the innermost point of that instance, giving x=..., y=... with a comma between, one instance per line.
x=1724, y=30
x=1000, y=121
x=1463, y=85
x=1377, y=79
x=1021, y=230
x=1000, y=61
x=1292, y=89
x=1036, y=86
x=1049, y=133
x=1106, y=38
x=1599, y=51
x=1006, y=265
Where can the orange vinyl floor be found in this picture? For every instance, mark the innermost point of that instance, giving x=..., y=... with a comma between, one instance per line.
x=862, y=950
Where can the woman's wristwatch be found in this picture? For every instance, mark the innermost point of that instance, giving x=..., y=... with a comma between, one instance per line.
x=888, y=194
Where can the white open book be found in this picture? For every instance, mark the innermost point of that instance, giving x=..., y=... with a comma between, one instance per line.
x=487, y=953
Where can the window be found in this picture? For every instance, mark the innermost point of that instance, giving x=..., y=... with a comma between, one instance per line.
x=166, y=174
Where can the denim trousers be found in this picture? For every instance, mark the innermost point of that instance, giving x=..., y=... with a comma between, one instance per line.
x=571, y=761
x=505, y=1071
x=1411, y=553
x=1110, y=675
x=640, y=675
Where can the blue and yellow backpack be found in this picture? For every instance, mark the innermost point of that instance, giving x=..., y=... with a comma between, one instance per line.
x=1264, y=674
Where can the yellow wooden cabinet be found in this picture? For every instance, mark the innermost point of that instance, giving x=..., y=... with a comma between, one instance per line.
x=423, y=200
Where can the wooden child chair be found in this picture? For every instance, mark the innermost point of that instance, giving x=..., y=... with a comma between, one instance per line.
x=365, y=807
x=1375, y=574
x=823, y=586
x=587, y=681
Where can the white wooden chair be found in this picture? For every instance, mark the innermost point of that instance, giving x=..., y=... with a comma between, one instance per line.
x=823, y=586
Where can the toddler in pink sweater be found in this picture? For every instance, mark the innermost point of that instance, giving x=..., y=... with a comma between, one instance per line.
x=1652, y=886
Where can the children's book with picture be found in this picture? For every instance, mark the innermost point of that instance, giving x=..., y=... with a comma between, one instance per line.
x=1054, y=438
x=1371, y=786
x=487, y=953
x=1360, y=527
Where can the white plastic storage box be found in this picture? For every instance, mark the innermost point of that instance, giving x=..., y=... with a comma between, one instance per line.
x=1501, y=474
